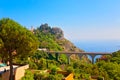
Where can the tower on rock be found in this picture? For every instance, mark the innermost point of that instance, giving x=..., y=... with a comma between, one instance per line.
x=32, y=29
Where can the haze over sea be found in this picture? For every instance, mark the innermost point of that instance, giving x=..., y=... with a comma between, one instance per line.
x=98, y=46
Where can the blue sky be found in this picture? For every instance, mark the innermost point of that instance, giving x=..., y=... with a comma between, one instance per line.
x=79, y=19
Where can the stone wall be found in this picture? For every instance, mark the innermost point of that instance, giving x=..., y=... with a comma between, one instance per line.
x=20, y=71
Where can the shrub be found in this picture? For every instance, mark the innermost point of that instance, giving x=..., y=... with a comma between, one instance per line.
x=40, y=76
x=28, y=75
x=33, y=65
x=70, y=69
x=53, y=71
x=55, y=77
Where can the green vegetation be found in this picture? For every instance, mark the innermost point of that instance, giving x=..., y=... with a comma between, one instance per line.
x=17, y=45
x=44, y=76
x=109, y=70
x=28, y=75
x=47, y=38
x=15, y=40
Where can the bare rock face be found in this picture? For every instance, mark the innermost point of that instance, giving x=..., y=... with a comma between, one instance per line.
x=68, y=46
x=57, y=32
x=45, y=28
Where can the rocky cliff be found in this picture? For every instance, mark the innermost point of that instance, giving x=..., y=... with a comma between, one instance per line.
x=53, y=38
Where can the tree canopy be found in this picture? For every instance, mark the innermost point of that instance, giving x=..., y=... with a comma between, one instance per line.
x=15, y=40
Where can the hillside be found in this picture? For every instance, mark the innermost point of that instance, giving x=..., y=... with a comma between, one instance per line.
x=45, y=66
x=52, y=38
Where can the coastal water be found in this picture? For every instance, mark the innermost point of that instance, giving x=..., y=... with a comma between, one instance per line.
x=98, y=46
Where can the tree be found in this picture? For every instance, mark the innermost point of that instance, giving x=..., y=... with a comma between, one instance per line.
x=116, y=57
x=15, y=40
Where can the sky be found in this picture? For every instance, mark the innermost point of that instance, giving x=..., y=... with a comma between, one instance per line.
x=81, y=20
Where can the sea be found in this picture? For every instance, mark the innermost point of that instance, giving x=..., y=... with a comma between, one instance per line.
x=98, y=46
